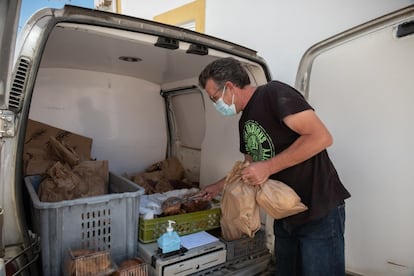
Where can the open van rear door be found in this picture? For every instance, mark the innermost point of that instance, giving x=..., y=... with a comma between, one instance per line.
x=361, y=84
x=9, y=16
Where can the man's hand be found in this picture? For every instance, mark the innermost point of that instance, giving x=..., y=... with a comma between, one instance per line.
x=212, y=190
x=256, y=173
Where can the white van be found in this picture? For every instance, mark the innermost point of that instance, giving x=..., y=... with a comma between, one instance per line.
x=132, y=86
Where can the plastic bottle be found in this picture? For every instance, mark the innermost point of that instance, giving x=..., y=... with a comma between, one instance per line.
x=169, y=241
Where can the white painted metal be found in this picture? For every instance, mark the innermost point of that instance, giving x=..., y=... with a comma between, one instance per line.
x=362, y=85
x=116, y=111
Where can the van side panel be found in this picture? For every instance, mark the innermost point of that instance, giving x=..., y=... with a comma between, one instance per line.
x=124, y=116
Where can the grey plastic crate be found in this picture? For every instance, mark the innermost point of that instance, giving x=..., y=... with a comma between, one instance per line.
x=106, y=222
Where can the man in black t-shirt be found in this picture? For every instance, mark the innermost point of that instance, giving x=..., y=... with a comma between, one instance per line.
x=283, y=138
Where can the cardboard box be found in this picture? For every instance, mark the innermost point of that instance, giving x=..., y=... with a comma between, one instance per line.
x=37, y=156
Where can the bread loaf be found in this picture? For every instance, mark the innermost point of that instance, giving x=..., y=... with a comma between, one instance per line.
x=171, y=206
x=129, y=267
x=88, y=262
x=195, y=205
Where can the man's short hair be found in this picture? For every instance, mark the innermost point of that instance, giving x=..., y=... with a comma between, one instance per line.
x=222, y=70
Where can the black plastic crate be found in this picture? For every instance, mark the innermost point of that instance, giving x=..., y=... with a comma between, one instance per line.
x=254, y=264
x=245, y=246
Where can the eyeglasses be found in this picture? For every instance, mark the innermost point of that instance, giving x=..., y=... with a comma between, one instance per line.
x=215, y=98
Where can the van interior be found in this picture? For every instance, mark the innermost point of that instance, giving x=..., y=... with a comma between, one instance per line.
x=138, y=100
x=135, y=94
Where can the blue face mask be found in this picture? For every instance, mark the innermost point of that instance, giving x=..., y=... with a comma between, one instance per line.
x=223, y=108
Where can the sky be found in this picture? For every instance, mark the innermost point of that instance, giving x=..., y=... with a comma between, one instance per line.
x=29, y=7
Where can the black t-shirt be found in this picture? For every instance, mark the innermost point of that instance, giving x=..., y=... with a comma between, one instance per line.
x=263, y=134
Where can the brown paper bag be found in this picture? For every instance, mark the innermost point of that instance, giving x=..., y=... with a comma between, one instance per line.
x=60, y=184
x=89, y=178
x=239, y=211
x=171, y=168
x=279, y=200
x=95, y=177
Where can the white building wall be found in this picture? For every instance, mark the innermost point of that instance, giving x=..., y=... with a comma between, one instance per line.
x=281, y=31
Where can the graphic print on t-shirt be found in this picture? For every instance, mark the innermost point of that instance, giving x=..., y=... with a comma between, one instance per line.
x=258, y=143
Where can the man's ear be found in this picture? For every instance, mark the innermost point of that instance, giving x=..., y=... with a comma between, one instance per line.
x=229, y=85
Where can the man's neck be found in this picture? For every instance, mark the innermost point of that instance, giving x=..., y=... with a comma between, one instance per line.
x=245, y=94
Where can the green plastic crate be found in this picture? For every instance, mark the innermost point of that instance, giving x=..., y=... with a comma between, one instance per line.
x=151, y=229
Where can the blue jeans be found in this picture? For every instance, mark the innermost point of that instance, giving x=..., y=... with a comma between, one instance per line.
x=313, y=249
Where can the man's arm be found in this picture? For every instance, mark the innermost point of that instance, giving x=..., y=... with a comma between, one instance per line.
x=314, y=137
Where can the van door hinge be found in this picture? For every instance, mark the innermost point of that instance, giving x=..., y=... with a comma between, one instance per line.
x=7, y=123
x=405, y=29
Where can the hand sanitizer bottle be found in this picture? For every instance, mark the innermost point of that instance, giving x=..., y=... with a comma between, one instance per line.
x=170, y=240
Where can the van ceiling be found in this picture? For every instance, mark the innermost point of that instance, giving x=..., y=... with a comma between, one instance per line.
x=98, y=49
